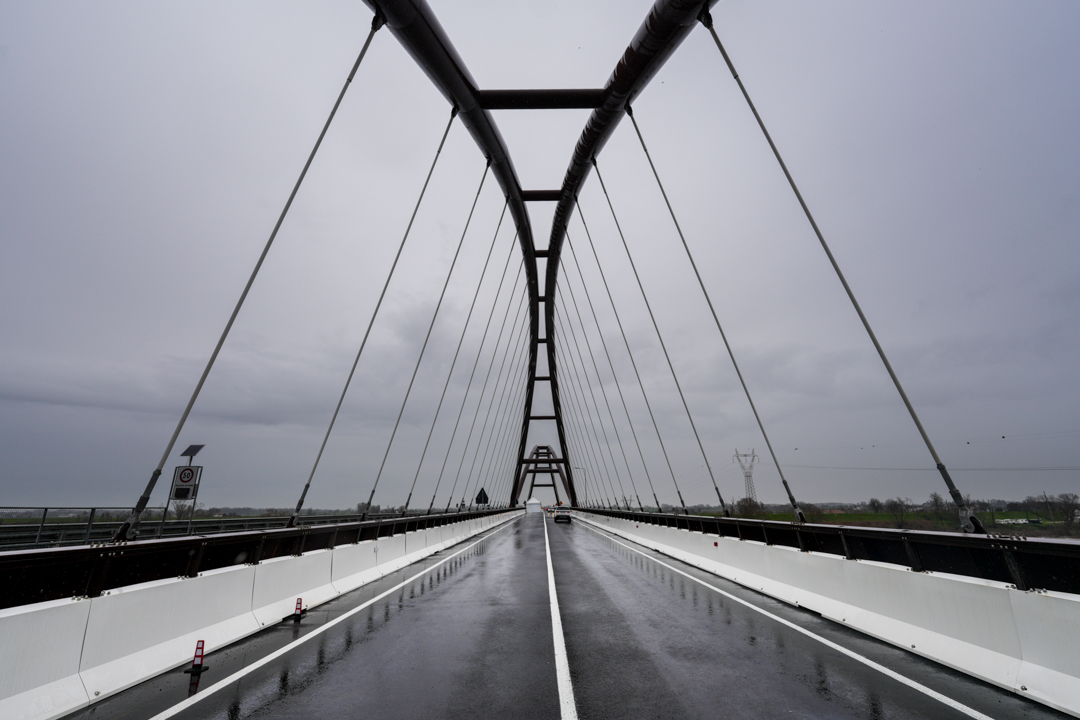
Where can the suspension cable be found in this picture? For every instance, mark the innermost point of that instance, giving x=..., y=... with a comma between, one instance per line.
x=512, y=342
x=599, y=380
x=576, y=417
x=633, y=363
x=457, y=351
x=517, y=331
x=495, y=425
x=799, y=516
x=496, y=437
x=483, y=389
x=468, y=385
x=435, y=315
x=611, y=365
x=970, y=522
x=506, y=440
x=130, y=529
x=584, y=433
x=592, y=394
x=660, y=337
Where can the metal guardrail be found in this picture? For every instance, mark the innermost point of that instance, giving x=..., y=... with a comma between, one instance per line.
x=33, y=527
x=37, y=575
x=1027, y=563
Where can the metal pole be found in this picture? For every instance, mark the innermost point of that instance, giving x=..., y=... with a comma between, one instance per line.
x=89, y=525
x=44, y=512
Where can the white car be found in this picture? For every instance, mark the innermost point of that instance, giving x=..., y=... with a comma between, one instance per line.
x=562, y=514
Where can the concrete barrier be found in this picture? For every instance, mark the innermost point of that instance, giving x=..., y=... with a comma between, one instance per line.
x=81, y=651
x=354, y=565
x=1026, y=642
x=279, y=582
x=41, y=644
x=141, y=630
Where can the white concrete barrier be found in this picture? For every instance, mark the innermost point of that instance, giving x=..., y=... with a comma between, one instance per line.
x=141, y=630
x=280, y=581
x=61, y=655
x=354, y=565
x=1027, y=642
x=41, y=644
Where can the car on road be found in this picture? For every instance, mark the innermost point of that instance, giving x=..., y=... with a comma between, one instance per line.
x=562, y=514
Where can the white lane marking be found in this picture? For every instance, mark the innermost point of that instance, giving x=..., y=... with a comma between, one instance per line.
x=943, y=699
x=221, y=684
x=562, y=664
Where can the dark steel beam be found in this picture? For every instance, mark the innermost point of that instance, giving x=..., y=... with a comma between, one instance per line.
x=541, y=195
x=540, y=99
x=666, y=26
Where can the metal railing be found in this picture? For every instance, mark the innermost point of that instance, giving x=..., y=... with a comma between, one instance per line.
x=1028, y=563
x=38, y=575
x=23, y=528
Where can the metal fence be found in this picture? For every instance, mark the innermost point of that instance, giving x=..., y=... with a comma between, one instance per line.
x=1027, y=563
x=37, y=575
x=37, y=527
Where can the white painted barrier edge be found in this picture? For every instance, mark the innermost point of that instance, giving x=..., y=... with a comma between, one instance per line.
x=39, y=703
x=1053, y=686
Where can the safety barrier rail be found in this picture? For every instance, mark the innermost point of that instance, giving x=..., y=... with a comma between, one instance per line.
x=30, y=527
x=37, y=575
x=1027, y=563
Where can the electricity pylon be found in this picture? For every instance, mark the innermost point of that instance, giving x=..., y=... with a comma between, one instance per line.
x=746, y=461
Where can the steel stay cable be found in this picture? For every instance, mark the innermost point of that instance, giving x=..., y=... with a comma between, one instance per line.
x=512, y=448
x=663, y=345
x=498, y=378
x=483, y=389
x=371, y=323
x=518, y=346
x=611, y=365
x=583, y=427
x=510, y=392
x=501, y=455
x=970, y=522
x=600, y=381
x=457, y=351
x=574, y=438
x=479, y=352
x=130, y=529
x=507, y=413
x=603, y=392
x=633, y=362
x=435, y=315
x=506, y=470
x=423, y=348
x=571, y=427
x=585, y=402
x=799, y=515
x=487, y=377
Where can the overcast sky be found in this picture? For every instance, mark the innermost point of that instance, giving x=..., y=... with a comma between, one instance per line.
x=146, y=151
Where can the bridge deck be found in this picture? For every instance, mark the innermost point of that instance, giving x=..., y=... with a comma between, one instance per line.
x=467, y=633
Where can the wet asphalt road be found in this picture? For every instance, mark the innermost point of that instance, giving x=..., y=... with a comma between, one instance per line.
x=471, y=638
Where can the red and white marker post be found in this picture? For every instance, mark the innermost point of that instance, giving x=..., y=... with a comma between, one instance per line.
x=197, y=664
x=299, y=610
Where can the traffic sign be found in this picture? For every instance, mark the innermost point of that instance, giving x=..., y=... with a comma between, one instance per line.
x=482, y=497
x=185, y=482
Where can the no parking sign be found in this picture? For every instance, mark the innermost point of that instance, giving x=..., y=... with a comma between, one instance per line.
x=185, y=481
